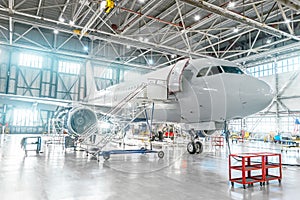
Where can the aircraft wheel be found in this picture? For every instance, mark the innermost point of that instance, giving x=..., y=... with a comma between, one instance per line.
x=160, y=154
x=191, y=148
x=199, y=147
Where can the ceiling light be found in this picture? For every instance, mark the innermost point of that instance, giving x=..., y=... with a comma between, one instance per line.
x=269, y=41
x=141, y=39
x=173, y=56
x=151, y=62
x=61, y=19
x=71, y=23
x=55, y=31
x=85, y=48
x=197, y=17
x=128, y=47
x=142, y=1
x=231, y=4
x=146, y=40
x=236, y=29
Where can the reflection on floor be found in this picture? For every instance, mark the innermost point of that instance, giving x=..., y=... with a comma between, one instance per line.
x=57, y=173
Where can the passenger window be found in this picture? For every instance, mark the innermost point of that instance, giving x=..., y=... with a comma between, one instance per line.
x=202, y=72
x=214, y=70
x=232, y=70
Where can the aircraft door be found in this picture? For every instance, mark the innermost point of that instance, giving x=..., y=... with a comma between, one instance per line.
x=195, y=101
x=175, y=76
x=217, y=92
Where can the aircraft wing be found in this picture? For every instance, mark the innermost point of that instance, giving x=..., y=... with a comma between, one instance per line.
x=45, y=103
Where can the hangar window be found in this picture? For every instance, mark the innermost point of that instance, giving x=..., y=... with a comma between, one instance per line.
x=68, y=67
x=25, y=117
x=232, y=70
x=281, y=66
x=214, y=70
x=105, y=72
x=30, y=60
x=202, y=72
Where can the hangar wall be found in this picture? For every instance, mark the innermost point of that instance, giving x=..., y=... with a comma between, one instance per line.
x=283, y=75
x=48, y=75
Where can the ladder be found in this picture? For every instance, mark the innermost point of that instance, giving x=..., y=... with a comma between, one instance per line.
x=92, y=130
x=54, y=127
x=55, y=131
x=107, y=138
x=125, y=100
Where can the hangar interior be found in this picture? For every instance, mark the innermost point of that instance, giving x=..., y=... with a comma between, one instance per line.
x=46, y=48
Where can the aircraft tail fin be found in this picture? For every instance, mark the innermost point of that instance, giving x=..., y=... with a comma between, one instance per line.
x=91, y=87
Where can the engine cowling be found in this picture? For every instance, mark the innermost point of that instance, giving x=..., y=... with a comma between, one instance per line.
x=208, y=132
x=80, y=119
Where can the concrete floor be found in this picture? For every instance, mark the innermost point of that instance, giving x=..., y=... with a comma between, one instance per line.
x=59, y=174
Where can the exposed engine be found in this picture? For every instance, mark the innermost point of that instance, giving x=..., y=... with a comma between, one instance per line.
x=80, y=119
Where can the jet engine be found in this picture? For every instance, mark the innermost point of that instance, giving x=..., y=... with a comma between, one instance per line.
x=80, y=119
x=206, y=133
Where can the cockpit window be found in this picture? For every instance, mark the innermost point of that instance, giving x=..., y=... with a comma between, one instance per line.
x=232, y=70
x=214, y=70
x=202, y=72
x=219, y=69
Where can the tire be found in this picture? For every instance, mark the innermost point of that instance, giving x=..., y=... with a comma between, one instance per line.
x=199, y=147
x=161, y=154
x=191, y=148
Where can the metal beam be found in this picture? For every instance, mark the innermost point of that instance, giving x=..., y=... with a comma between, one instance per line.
x=102, y=35
x=64, y=9
x=224, y=23
x=184, y=27
x=295, y=46
x=285, y=19
x=239, y=18
x=296, y=2
x=39, y=7
x=289, y=97
x=122, y=3
x=11, y=24
x=140, y=16
x=257, y=49
x=134, y=17
x=292, y=4
x=91, y=21
x=288, y=83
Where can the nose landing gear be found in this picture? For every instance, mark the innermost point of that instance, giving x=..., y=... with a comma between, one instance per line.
x=194, y=146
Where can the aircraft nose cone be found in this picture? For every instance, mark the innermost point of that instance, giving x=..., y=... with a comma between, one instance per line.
x=255, y=95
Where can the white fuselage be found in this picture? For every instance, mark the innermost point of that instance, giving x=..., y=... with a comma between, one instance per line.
x=182, y=94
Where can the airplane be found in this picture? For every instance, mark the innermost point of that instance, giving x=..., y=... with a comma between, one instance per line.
x=199, y=94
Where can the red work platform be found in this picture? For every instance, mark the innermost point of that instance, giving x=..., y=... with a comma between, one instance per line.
x=255, y=167
x=217, y=141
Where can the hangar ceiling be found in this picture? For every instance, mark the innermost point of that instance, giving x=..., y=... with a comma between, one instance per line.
x=154, y=33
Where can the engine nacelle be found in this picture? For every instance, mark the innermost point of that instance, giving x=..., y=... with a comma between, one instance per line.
x=80, y=119
x=206, y=133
